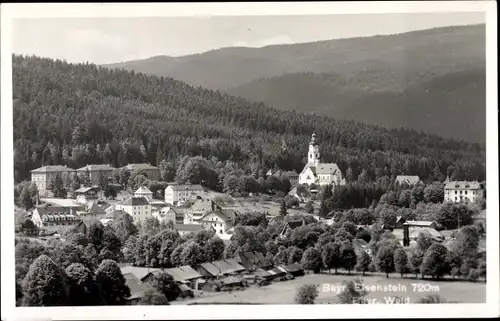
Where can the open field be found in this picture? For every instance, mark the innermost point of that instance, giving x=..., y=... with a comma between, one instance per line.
x=283, y=292
x=243, y=205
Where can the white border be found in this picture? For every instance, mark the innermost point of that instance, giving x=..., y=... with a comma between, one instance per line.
x=9, y=11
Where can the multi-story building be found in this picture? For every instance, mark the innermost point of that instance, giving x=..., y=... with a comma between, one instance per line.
x=177, y=194
x=169, y=214
x=138, y=207
x=95, y=172
x=318, y=173
x=54, y=216
x=462, y=192
x=198, y=210
x=152, y=172
x=44, y=175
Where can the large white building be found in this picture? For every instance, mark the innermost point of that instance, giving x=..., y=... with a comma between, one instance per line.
x=462, y=192
x=319, y=173
x=176, y=194
x=138, y=207
x=44, y=175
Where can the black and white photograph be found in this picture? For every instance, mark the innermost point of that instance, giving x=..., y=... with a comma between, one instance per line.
x=248, y=157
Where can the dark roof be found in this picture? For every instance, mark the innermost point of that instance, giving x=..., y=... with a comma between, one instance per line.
x=227, y=267
x=135, y=201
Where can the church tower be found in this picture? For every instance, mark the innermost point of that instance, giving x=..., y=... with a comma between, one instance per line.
x=313, y=156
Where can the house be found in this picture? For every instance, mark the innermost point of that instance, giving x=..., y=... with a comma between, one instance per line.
x=176, y=194
x=199, y=208
x=409, y=180
x=293, y=178
x=143, y=274
x=167, y=214
x=44, y=175
x=93, y=210
x=150, y=171
x=138, y=207
x=54, y=216
x=289, y=226
x=252, y=261
x=96, y=172
x=318, y=173
x=184, y=229
x=186, y=275
x=221, y=221
x=228, y=266
x=462, y=192
x=87, y=194
x=208, y=270
x=137, y=288
x=143, y=191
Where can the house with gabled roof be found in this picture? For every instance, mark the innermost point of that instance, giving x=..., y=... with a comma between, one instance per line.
x=96, y=172
x=44, y=175
x=185, y=275
x=152, y=172
x=318, y=173
x=145, y=192
x=462, y=192
x=87, y=194
x=138, y=207
x=176, y=194
x=45, y=216
x=252, y=260
x=220, y=220
x=409, y=180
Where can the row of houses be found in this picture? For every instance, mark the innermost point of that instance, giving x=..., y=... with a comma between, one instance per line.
x=44, y=175
x=245, y=268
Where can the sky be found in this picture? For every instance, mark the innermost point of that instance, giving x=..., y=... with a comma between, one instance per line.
x=110, y=40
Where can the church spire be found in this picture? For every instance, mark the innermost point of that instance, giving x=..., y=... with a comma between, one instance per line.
x=313, y=140
x=313, y=155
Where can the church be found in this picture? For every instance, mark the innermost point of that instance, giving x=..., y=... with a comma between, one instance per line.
x=319, y=173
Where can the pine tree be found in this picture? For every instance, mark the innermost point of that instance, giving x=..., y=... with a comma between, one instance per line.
x=283, y=210
x=59, y=190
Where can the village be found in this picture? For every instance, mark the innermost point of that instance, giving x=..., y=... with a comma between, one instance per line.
x=192, y=208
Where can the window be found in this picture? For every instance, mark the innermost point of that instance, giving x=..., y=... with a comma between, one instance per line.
x=220, y=231
x=465, y=192
x=456, y=192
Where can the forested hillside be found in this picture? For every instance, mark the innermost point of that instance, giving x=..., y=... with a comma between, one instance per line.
x=431, y=80
x=76, y=114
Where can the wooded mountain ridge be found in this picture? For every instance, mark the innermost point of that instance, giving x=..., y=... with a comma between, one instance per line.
x=431, y=80
x=78, y=114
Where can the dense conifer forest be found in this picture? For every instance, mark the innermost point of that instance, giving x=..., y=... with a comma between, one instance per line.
x=78, y=114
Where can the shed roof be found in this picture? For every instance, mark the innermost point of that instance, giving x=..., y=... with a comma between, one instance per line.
x=183, y=273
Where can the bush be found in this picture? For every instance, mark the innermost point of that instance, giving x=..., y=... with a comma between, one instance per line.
x=306, y=294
